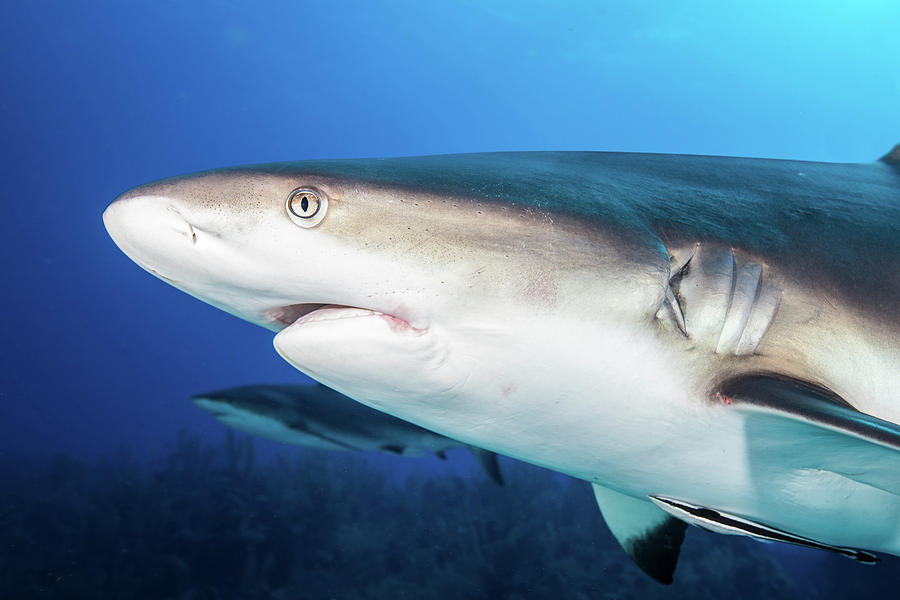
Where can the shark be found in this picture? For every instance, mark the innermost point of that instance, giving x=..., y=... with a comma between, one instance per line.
x=708, y=341
x=316, y=416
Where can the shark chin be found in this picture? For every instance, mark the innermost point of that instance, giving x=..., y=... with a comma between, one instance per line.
x=364, y=350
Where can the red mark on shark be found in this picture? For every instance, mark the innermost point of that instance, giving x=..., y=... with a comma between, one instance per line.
x=399, y=325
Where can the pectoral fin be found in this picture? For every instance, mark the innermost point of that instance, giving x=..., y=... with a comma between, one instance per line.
x=802, y=401
x=650, y=536
x=799, y=425
x=488, y=462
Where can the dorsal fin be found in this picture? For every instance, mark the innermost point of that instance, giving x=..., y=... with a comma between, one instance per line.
x=648, y=535
x=892, y=157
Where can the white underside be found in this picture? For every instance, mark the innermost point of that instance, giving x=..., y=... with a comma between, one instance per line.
x=617, y=413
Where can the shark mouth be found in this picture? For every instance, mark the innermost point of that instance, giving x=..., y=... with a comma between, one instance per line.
x=285, y=316
x=288, y=315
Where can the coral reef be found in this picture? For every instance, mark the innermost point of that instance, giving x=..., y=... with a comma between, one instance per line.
x=209, y=522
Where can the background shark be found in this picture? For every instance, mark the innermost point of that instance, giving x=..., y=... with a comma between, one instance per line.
x=316, y=416
x=687, y=333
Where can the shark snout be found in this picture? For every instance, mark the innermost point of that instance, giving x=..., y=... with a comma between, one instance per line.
x=210, y=404
x=151, y=231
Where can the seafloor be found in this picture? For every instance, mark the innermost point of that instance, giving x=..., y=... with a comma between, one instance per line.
x=209, y=522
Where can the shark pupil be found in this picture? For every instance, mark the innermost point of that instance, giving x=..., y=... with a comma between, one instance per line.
x=304, y=204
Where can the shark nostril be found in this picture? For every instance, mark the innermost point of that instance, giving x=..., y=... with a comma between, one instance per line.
x=178, y=221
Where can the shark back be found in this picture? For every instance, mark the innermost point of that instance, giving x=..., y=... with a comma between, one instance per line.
x=828, y=224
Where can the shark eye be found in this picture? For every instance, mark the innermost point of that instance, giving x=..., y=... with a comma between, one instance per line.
x=306, y=207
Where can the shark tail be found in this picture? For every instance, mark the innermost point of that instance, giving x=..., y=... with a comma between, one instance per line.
x=488, y=462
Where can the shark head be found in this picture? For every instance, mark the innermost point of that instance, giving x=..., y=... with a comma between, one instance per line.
x=714, y=332
x=399, y=292
x=266, y=416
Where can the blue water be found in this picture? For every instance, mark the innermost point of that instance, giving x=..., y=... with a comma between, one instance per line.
x=98, y=358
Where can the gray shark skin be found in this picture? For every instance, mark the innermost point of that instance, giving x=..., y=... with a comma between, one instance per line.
x=316, y=416
x=721, y=332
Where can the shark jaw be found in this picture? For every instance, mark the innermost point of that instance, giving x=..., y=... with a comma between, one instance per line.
x=615, y=345
x=372, y=354
x=315, y=313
